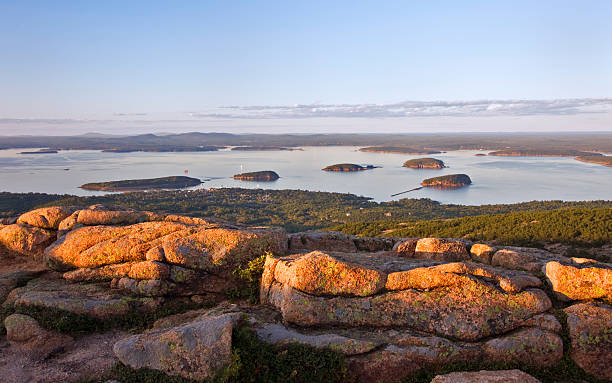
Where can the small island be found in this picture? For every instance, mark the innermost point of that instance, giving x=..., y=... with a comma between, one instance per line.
x=424, y=163
x=601, y=160
x=451, y=181
x=262, y=176
x=263, y=148
x=347, y=168
x=398, y=150
x=174, y=182
x=41, y=151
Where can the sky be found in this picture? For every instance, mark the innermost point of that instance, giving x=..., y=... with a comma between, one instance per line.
x=129, y=67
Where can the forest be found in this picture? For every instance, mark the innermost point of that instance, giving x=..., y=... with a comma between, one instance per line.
x=295, y=210
x=580, y=226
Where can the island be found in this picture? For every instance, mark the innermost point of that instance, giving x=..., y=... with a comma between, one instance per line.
x=450, y=181
x=601, y=160
x=424, y=163
x=163, y=149
x=541, y=153
x=41, y=151
x=263, y=148
x=263, y=176
x=174, y=182
x=347, y=168
x=397, y=150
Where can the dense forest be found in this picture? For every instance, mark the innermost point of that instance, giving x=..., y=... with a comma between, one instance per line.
x=574, y=226
x=295, y=210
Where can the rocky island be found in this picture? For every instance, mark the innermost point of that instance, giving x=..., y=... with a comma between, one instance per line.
x=263, y=176
x=397, y=150
x=601, y=160
x=347, y=168
x=450, y=181
x=174, y=182
x=424, y=163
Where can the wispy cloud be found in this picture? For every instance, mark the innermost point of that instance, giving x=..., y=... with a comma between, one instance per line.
x=416, y=109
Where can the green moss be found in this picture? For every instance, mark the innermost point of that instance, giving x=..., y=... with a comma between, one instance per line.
x=248, y=279
x=67, y=322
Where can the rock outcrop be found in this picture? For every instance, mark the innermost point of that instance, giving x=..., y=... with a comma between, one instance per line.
x=507, y=376
x=151, y=255
x=355, y=290
x=392, y=306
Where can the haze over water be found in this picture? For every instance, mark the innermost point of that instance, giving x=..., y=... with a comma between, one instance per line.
x=495, y=179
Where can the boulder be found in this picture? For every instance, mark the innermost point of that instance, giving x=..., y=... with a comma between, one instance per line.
x=25, y=332
x=482, y=253
x=46, y=217
x=96, y=246
x=211, y=249
x=323, y=241
x=523, y=258
x=441, y=249
x=580, y=279
x=196, y=350
x=106, y=215
x=503, y=376
x=26, y=240
x=321, y=274
x=590, y=330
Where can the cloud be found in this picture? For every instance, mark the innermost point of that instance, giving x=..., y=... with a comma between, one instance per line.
x=416, y=109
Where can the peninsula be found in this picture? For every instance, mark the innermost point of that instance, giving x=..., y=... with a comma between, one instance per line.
x=347, y=168
x=263, y=176
x=601, y=160
x=424, y=163
x=174, y=182
x=450, y=181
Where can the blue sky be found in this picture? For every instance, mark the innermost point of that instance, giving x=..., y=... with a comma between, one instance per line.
x=134, y=66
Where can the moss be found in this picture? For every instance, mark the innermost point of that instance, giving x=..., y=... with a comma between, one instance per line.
x=67, y=322
x=248, y=279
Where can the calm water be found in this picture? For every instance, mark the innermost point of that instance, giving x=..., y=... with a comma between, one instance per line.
x=495, y=179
